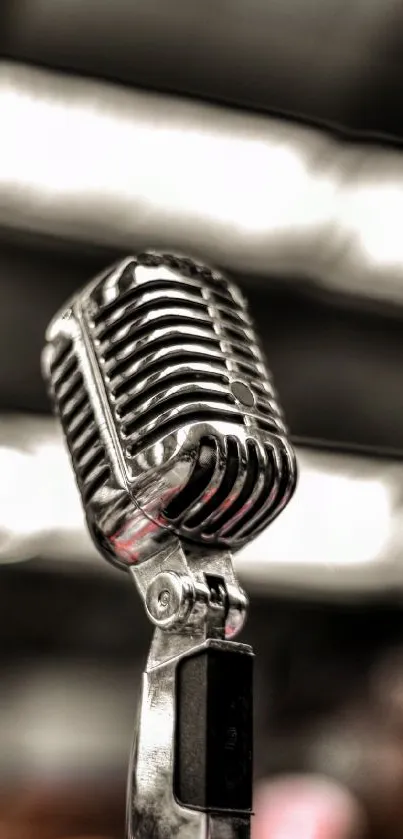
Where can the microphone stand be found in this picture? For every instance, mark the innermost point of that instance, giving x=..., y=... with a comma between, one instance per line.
x=190, y=774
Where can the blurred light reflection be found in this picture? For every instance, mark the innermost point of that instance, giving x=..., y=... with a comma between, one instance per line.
x=123, y=168
x=342, y=531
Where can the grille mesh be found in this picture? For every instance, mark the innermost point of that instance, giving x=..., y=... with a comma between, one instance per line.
x=78, y=422
x=169, y=349
x=169, y=346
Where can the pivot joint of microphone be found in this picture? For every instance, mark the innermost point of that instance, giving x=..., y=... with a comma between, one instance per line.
x=188, y=593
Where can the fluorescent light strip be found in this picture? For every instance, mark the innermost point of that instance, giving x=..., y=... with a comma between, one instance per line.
x=116, y=167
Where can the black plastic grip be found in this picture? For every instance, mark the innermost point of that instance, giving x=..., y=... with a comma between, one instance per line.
x=214, y=731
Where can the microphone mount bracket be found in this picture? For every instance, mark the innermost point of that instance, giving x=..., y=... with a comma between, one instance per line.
x=184, y=590
x=190, y=773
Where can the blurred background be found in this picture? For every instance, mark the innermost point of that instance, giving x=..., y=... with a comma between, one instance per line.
x=264, y=137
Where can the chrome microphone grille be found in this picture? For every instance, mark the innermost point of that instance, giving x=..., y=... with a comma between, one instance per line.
x=172, y=347
x=167, y=406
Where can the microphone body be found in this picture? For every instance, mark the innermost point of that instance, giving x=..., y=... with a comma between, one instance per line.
x=181, y=455
x=168, y=410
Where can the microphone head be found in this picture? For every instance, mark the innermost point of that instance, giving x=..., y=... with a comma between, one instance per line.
x=168, y=410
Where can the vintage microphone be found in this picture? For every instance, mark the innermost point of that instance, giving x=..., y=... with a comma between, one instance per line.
x=181, y=455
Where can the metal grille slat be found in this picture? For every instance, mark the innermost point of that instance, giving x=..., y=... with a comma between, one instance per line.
x=140, y=299
x=154, y=339
x=144, y=326
x=187, y=416
x=201, y=514
x=148, y=418
x=77, y=419
x=151, y=356
x=279, y=499
x=252, y=491
x=227, y=510
x=159, y=385
x=177, y=357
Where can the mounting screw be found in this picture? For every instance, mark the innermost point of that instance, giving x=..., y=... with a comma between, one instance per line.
x=169, y=600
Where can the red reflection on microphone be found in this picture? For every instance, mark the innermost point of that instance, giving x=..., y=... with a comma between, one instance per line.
x=128, y=537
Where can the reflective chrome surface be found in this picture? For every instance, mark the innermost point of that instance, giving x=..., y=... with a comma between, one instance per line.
x=174, y=586
x=169, y=414
x=179, y=451
x=95, y=163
